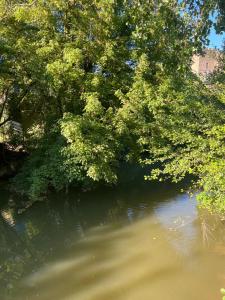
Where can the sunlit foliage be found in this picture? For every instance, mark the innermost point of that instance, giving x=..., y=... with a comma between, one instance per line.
x=94, y=83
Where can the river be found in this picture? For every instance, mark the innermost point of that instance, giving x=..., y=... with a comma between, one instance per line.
x=136, y=241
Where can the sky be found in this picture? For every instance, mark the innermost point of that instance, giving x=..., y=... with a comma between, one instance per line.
x=216, y=40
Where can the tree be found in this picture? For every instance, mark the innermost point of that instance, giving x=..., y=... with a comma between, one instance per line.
x=95, y=83
x=64, y=65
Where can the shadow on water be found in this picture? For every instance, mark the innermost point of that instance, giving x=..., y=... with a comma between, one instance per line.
x=135, y=241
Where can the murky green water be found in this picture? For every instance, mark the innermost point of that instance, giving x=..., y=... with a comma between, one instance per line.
x=138, y=241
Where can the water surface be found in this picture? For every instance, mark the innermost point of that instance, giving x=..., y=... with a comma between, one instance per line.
x=138, y=241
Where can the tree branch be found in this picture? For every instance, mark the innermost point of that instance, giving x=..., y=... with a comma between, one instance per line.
x=5, y=95
x=4, y=122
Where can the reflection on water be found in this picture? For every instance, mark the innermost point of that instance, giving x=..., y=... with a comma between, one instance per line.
x=137, y=241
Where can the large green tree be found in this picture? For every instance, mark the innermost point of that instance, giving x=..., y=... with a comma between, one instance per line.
x=97, y=82
x=64, y=67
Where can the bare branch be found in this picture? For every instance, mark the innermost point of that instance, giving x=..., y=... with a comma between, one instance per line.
x=4, y=122
x=5, y=98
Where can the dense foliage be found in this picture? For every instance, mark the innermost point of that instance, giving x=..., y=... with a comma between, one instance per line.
x=97, y=82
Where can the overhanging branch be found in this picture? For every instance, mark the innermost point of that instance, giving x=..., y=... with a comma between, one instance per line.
x=4, y=122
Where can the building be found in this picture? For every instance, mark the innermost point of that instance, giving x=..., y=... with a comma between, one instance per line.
x=206, y=64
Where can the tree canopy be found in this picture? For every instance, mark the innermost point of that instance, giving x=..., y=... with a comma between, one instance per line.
x=97, y=82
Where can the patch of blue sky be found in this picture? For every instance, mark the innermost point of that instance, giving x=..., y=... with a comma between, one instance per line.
x=215, y=40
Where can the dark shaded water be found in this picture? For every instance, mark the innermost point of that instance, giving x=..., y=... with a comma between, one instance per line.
x=136, y=241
